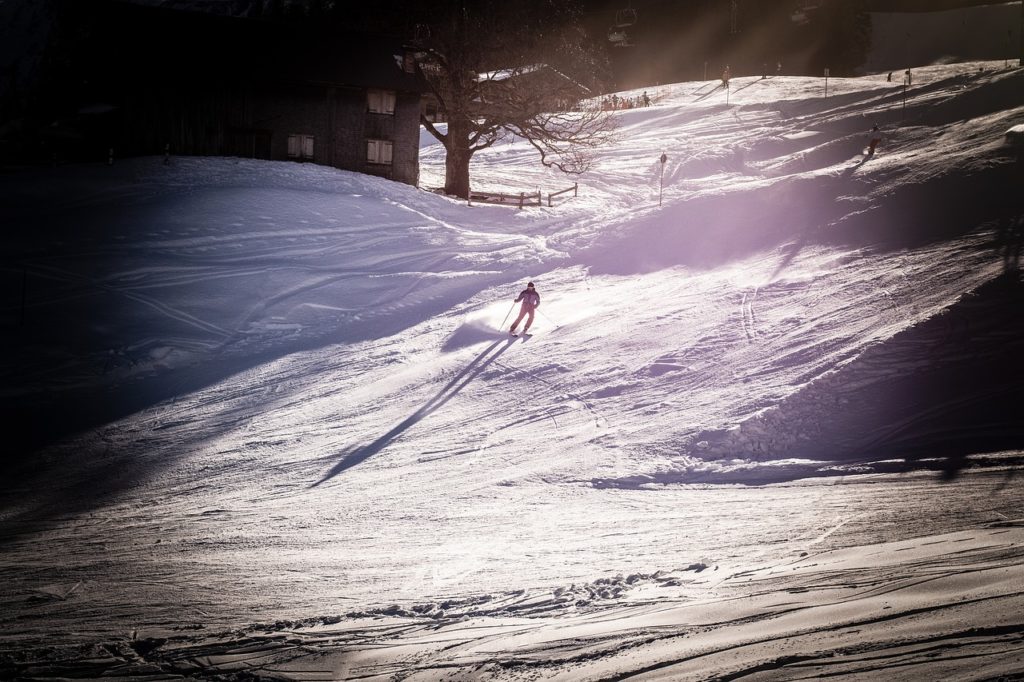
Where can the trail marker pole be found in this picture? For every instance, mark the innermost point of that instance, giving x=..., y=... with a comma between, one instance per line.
x=826, y=83
x=661, y=184
x=24, y=289
x=906, y=82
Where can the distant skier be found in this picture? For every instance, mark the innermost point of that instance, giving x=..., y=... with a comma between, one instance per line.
x=530, y=302
x=726, y=75
x=1011, y=241
x=876, y=138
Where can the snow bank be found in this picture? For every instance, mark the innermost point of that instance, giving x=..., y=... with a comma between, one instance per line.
x=1015, y=135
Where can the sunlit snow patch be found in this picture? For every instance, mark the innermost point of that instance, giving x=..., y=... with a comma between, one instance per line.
x=480, y=326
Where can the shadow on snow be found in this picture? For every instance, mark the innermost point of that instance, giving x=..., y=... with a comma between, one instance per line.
x=358, y=455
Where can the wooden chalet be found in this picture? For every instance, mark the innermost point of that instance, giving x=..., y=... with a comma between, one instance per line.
x=196, y=84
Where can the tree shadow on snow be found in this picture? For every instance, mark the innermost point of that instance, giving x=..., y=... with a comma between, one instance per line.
x=709, y=231
x=841, y=210
x=357, y=455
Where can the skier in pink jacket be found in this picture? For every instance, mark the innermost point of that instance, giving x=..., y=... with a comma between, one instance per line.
x=531, y=301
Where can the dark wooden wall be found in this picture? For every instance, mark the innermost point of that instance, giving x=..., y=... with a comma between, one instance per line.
x=199, y=85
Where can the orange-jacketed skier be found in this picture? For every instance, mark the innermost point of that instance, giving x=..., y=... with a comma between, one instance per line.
x=876, y=137
x=530, y=302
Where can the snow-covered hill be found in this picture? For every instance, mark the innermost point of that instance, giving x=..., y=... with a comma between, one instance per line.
x=256, y=391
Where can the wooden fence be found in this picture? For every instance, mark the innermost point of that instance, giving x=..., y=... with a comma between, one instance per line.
x=575, y=189
x=521, y=199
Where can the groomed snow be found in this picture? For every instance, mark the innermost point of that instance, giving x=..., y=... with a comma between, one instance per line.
x=291, y=398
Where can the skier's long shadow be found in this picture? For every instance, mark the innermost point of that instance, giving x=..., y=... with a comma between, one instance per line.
x=713, y=91
x=354, y=456
x=853, y=169
x=791, y=252
x=753, y=82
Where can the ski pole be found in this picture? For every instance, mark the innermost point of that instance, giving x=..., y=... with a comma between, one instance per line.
x=506, y=316
x=557, y=326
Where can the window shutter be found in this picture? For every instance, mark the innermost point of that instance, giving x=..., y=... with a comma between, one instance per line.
x=378, y=151
x=293, y=145
x=307, y=146
x=380, y=101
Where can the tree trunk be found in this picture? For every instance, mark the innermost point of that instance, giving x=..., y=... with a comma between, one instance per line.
x=456, y=174
x=456, y=163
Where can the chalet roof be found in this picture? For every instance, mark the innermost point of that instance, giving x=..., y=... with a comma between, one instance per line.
x=345, y=60
x=532, y=71
x=505, y=74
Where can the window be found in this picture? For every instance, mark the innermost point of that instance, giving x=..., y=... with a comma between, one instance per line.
x=409, y=62
x=378, y=151
x=430, y=112
x=300, y=146
x=380, y=101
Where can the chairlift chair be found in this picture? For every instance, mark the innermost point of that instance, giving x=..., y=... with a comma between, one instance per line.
x=625, y=17
x=801, y=15
x=618, y=37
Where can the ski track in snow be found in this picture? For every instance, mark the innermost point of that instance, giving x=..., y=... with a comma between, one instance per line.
x=366, y=434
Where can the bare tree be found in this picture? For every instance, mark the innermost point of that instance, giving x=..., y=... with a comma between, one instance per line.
x=495, y=70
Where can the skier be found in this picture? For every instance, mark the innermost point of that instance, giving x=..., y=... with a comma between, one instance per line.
x=531, y=301
x=726, y=75
x=876, y=137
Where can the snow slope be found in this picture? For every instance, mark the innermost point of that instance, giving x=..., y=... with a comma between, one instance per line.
x=288, y=396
